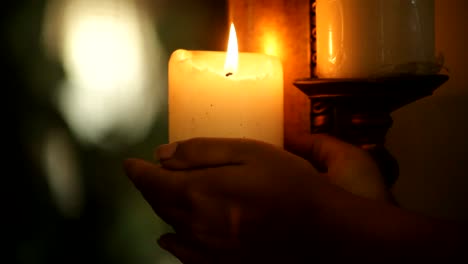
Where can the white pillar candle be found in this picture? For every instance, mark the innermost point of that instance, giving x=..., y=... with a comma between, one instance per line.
x=367, y=38
x=210, y=96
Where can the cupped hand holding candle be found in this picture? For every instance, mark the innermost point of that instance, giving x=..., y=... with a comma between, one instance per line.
x=219, y=94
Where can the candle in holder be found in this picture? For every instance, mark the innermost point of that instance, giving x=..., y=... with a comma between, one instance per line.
x=371, y=38
x=225, y=94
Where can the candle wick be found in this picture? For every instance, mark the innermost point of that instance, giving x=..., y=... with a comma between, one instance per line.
x=228, y=74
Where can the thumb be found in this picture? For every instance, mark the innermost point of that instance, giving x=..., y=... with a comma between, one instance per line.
x=321, y=149
x=348, y=166
x=205, y=152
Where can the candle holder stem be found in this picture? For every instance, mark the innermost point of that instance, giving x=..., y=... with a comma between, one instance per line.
x=358, y=111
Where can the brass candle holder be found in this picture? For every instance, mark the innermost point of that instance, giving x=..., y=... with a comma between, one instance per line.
x=358, y=110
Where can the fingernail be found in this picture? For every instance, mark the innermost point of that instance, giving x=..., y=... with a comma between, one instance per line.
x=166, y=151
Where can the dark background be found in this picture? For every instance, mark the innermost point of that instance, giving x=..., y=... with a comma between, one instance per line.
x=428, y=138
x=115, y=225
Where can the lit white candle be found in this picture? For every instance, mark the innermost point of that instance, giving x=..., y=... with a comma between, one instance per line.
x=366, y=38
x=219, y=94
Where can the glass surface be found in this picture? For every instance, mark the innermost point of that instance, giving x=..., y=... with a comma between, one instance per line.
x=368, y=38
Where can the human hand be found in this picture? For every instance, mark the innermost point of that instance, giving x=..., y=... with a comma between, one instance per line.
x=232, y=194
x=227, y=195
x=244, y=201
x=344, y=164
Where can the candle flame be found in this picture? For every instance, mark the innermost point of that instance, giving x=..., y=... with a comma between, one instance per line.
x=232, y=57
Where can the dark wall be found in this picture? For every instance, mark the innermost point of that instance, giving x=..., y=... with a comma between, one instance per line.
x=429, y=137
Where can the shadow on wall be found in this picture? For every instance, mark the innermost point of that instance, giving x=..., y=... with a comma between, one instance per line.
x=429, y=137
x=429, y=141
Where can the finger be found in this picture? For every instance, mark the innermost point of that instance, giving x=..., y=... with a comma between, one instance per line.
x=158, y=185
x=213, y=197
x=347, y=166
x=152, y=177
x=321, y=149
x=206, y=152
x=190, y=251
x=186, y=252
x=177, y=218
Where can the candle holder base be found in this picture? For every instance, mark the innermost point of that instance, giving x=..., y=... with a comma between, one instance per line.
x=359, y=110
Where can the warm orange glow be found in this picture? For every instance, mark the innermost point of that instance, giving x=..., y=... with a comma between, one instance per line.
x=270, y=45
x=232, y=57
x=331, y=55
